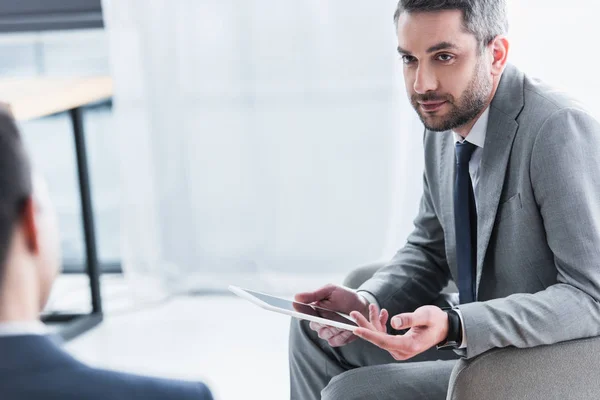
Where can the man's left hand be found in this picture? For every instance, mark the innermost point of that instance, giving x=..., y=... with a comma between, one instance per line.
x=428, y=327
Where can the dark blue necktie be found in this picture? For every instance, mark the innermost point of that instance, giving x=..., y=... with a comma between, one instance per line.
x=465, y=223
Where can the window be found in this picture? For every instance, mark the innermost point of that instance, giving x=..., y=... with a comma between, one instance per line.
x=50, y=139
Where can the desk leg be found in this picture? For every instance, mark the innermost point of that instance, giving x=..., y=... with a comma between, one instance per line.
x=87, y=210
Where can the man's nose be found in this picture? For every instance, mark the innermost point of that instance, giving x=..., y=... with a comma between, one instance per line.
x=425, y=80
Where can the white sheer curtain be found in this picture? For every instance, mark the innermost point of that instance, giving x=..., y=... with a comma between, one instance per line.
x=555, y=40
x=261, y=141
x=266, y=141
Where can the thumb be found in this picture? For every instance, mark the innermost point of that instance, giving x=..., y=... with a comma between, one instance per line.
x=318, y=295
x=408, y=320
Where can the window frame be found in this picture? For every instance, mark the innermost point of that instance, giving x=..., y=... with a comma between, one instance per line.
x=35, y=15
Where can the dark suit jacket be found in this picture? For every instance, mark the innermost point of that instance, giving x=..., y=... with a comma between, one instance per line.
x=35, y=367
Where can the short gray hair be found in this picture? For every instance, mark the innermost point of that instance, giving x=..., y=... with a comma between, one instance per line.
x=485, y=19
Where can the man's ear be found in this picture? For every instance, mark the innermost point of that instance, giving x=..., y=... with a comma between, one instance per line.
x=499, y=47
x=28, y=225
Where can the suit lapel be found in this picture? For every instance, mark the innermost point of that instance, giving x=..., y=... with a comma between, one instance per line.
x=501, y=131
x=447, y=173
x=496, y=153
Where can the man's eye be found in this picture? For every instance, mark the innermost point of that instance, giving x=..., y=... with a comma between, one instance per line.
x=445, y=57
x=408, y=59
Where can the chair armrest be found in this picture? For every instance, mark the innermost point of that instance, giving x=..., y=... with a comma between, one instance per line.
x=361, y=274
x=358, y=276
x=567, y=370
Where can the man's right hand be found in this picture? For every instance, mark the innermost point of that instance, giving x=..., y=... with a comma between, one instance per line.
x=336, y=298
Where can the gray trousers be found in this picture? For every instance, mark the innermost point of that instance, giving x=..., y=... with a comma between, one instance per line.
x=361, y=370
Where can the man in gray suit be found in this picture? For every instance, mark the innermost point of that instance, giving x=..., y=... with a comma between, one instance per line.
x=510, y=211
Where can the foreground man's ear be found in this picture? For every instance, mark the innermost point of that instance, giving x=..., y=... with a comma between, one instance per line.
x=28, y=224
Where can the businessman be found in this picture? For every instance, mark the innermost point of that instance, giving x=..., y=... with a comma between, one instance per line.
x=510, y=211
x=32, y=364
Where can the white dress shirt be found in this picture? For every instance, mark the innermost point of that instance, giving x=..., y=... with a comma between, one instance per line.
x=22, y=328
x=476, y=137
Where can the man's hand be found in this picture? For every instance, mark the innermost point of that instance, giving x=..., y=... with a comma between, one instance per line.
x=339, y=299
x=428, y=327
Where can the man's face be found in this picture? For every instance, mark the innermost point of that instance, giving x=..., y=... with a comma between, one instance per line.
x=448, y=79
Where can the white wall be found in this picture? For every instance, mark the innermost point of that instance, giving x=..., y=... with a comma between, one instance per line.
x=557, y=42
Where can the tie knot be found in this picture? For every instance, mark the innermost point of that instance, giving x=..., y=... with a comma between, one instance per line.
x=464, y=151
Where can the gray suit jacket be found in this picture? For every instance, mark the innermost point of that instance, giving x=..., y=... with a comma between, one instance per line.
x=538, y=241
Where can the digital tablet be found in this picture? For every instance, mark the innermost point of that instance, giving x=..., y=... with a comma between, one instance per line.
x=297, y=310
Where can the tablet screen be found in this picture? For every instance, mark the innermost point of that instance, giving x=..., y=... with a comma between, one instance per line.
x=303, y=308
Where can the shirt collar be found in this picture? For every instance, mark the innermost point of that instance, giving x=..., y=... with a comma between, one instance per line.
x=21, y=328
x=478, y=132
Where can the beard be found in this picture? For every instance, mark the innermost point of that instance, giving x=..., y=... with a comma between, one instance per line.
x=472, y=101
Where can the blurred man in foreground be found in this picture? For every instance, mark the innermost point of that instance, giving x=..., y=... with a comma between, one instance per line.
x=32, y=364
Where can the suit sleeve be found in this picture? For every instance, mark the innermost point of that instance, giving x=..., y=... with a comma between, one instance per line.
x=418, y=272
x=565, y=174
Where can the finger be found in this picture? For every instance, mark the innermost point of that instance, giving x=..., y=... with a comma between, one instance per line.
x=326, y=333
x=374, y=316
x=408, y=320
x=315, y=326
x=351, y=339
x=362, y=321
x=383, y=317
x=317, y=295
x=341, y=339
x=379, y=322
x=379, y=339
